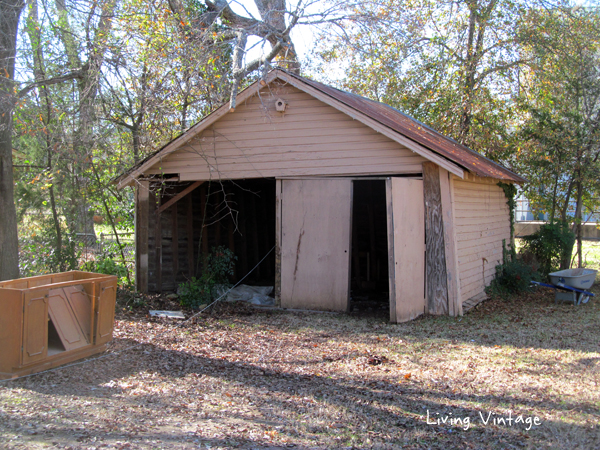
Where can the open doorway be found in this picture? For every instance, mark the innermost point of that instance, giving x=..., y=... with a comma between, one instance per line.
x=369, y=266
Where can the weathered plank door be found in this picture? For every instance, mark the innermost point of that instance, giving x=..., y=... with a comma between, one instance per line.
x=315, y=243
x=406, y=248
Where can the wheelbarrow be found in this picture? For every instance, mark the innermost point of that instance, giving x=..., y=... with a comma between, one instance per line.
x=570, y=285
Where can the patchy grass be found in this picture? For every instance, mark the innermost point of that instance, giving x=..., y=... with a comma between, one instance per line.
x=242, y=378
x=591, y=254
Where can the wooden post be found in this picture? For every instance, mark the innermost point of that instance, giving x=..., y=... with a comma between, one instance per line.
x=435, y=264
x=446, y=186
x=142, y=204
x=255, y=246
x=244, y=238
x=278, y=199
x=158, y=243
x=217, y=225
x=174, y=243
x=229, y=195
x=204, y=213
x=190, y=236
x=391, y=251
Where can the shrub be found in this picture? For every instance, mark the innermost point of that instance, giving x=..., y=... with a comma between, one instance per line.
x=551, y=246
x=218, y=266
x=107, y=264
x=513, y=276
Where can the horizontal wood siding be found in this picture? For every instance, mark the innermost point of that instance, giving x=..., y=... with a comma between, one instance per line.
x=482, y=222
x=309, y=138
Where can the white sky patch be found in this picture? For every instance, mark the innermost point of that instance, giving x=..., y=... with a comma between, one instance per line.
x=303, y=36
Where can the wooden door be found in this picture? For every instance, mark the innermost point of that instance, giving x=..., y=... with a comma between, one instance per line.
x=105, y=311
x=315, y=243
x=406, y=248
x=35, y=326
x=65, y=320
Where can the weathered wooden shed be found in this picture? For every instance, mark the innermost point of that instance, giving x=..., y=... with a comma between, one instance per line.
x=352, y=194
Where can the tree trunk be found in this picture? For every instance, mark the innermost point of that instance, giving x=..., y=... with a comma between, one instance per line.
x=578, y=218
x=10, y=11
x=33, y=30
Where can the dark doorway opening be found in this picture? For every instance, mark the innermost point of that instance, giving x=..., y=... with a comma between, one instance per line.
x=369, y=267
x=240, y=215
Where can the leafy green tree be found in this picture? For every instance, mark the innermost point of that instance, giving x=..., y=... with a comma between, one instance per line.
x=451, y=64
x=560, y=104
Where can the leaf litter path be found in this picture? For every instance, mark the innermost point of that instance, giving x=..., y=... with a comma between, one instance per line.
x=252, y=379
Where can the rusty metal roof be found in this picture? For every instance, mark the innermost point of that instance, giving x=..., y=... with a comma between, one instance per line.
x=418, y=132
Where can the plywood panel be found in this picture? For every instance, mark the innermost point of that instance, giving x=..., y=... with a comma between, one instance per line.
x=82, y=307
x=408, y=231
x=64, y=320
x=11, y=329
x=256, y=141
x=105, y=312
x=315, y=243
x=35, y=326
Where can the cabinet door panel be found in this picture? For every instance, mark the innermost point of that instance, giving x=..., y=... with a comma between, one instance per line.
x=105, y=310
x=35, y=327
x=64, y=320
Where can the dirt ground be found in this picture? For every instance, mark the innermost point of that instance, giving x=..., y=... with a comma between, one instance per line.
x=523, y=373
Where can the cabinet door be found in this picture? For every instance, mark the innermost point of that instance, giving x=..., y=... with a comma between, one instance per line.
x=105, y=310
x=35, y=326
x=67, y=326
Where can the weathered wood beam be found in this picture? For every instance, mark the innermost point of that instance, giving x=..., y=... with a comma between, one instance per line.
x=158, y=244
x=454, y=298
x=190, y=237
x=179, y=196
x=175, y=243
x=142, y=206
x=435, y=263
x=278, y=199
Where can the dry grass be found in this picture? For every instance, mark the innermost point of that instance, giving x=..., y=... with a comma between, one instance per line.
x=270, y=379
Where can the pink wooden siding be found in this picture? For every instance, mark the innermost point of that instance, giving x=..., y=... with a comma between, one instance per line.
x=309, y=138
x=481, y=220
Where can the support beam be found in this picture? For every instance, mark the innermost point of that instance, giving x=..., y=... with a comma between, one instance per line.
x=174, y=243
x=158, y=244
x=278, y=199
x=142, y=205
x=446, y=187
x=179, y=196
x=190, y=237
x=435, y=263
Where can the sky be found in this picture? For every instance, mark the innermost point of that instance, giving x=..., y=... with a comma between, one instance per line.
x=302, y=35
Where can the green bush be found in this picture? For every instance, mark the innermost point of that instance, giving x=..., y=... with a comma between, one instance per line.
x=551, y=246
x=107, y=264
x=513, y=276
x=218, y=267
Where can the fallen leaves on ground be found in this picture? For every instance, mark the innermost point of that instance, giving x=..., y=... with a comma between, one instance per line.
x=240, y=377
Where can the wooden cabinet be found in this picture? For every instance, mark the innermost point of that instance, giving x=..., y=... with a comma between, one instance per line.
x=54, y=319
